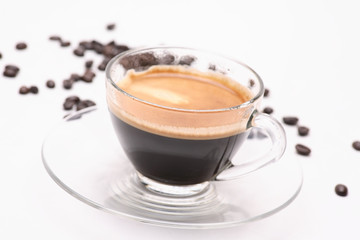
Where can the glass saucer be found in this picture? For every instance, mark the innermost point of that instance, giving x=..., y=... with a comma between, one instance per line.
x=83, y=156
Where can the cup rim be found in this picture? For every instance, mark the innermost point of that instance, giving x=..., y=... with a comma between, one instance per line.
x=115, y=59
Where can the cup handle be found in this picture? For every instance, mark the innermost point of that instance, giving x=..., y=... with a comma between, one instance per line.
x=275, y=131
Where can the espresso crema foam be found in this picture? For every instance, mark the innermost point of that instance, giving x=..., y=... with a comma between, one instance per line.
x=184, y=89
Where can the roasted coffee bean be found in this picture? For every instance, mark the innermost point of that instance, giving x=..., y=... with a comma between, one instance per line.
x=110, y=26
x=268, y=110
x=12, y=67
x=290, y=120
x=266, y=92
x=68, y=105
x=50, y=83
x=341, y=190
x=67, y=84
x=24, y=90
x=34, y=89
x=89, y=63
x=356, y=145
x=87, y=45
x=0, y=55
x=84, y=104
x=103, y=64
x=88, y=76
x=252, y=83
x=55, y=38
x=97, y=46
x=302, y=150
x=79, y=51
x=75, y=77
x=186, y=60
x=73, y=98
x=64, y=43
x=303, y=131
x=21, y=46
x=10, y=73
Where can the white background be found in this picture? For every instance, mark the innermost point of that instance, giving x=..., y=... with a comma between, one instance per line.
x=307, y=52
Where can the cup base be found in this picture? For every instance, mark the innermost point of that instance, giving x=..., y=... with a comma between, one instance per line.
x=172, y=190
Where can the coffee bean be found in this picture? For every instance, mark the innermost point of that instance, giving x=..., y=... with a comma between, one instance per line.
x=84, y=104
x=341, y=190
x=64, y=43
x=24, y=90
x=303, y=131
x=302, y=150
x=186, y=60
x=110, y=26
x=73, y=98
x=290, y=120
x=75, y=77
x=21, y=46
x=50, y=83
x=103, y=64
x=89, y=63
x=68, y=105
x=79, y=51
x=268, y=110
x=87, y=45
x=0, y=55
x=356, y=145
x=252, y=83
x=88, y=76
x=67, y=84
x=10, y=73
x=97, y=46
x=55, y=38
x=34, y=89
x=266, y=92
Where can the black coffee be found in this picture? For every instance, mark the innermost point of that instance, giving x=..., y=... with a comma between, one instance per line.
x=175, y=146
x=176, y=161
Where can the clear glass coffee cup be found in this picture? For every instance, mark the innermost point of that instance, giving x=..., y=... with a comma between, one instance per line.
x=179, y=151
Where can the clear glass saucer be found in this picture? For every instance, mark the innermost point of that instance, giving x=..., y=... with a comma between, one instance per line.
x=84, y=157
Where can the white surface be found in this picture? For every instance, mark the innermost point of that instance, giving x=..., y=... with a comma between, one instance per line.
x=307, y=53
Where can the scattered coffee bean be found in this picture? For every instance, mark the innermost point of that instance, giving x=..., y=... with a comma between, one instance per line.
x=68, y=105
x=302, y=150
x=290, y=120
x=356, y=145
x=89, y=63
x=67, y=84
x=186, y=60
x=266, y=92
x=50, y=83
x=79, y=51
x=87, y=45
x=88, y=76
x=55, y=38
x=84, y=104
x=73, y=98
x=21, y=46
x=0, y=55
x=97, y=46
x=24, y=90
x=64, y=43
x=75, y=77
x=303, y=131
x=341, y=190
x=11, y=71
x=110, y=26
x=268, y=110
x=34, y=89
x=252, y=83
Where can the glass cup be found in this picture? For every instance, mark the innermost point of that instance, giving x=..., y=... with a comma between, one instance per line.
x=179, y=152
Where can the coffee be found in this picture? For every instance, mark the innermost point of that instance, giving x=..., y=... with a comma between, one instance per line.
x=178, y=142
